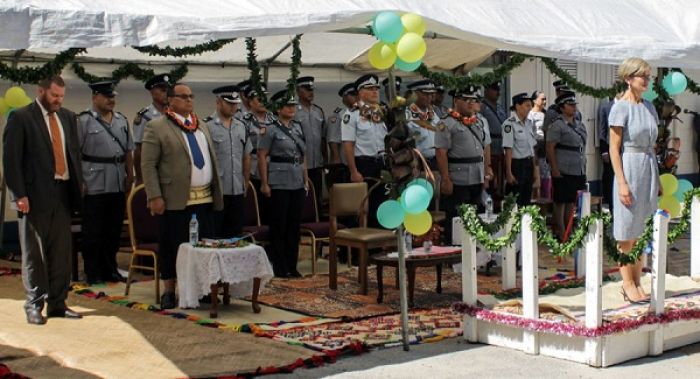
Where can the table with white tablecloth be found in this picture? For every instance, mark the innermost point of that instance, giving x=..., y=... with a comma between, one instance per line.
x=200, y=269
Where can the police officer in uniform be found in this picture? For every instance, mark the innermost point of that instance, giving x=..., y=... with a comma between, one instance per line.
x=313, y=123
x=158, y=87
x=233, y=147
x=363, y=131
x=422, y=120
x=338, y=171
x=462, y=144
x=566, y=152
x=244, y=106
x=495, y=115
x=256, y=122
x=106, y=147
x=284, y=181
x=439, y=97
x=553, y=112
x=519, y=147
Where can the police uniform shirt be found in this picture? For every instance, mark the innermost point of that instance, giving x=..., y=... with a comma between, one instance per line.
x=495, y=118
x=367, y=135
x=569, y=161
x=333, y=134
x=313, y=124
x=519, y=136
x=487, y=129
x=284, y=175
x=425, y=138
x=142, y=118
x=552, y=114
x=255, y=128
x=230, y=145
x=460, y=142
x=440, y=110
x=96, y=141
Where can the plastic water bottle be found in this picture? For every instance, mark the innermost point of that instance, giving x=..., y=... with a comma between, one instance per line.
x=489, y=207
x=409, y=243
x=194, y=230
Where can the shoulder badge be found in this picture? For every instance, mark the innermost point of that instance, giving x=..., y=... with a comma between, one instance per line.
x=337, y=110
x=333, y=119
x=139, y=115
x=441, y=126
x=507, y=128
x=263, y=130
x=346, y=118
x=207, y=119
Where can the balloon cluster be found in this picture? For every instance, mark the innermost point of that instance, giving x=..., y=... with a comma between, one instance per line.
x=673, y=193
x=410, y=209
x=400, y=41
x=674, y=83
x=15, y=97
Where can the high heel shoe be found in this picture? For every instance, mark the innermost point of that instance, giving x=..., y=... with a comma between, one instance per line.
x=627, y=298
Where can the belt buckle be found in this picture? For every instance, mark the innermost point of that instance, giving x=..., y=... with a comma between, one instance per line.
x=116, y=160
x=297, y=160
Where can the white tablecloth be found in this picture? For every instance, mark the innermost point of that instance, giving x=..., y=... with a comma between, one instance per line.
x=199, y=268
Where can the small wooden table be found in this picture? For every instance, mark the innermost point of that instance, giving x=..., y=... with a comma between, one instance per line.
x=412, y=262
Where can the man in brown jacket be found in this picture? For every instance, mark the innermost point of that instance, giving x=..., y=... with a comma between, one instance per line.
x=180, y=174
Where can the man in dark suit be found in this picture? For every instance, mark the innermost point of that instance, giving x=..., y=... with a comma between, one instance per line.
x=42, y=169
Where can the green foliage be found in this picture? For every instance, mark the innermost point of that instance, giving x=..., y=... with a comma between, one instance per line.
x=33, y=75
x=126, y=70
x=199, y=49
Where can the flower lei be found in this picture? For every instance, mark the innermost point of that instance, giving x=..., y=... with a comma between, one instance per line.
x=468, y=121
x=422, y=115
x=371, y=112
x=186, y=128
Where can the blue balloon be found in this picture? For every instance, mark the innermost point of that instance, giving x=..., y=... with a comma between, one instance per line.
x=415, y=199
x=683, y=187
x=408, y=67
x=387, y=26
x=650, y=94
x=390, y=214
x=424, y=183
x=675, y=83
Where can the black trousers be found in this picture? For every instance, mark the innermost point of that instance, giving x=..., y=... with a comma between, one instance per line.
x=286, y=207
x=103, y=217
x=175, y=230
x=450, y=204
x=45, y=238
x=371, y=167
x=229, y=222
x=522, y=170
x=608, y=177
x=316, y=178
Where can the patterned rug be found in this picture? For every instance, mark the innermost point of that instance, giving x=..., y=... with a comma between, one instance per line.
x=429, y=325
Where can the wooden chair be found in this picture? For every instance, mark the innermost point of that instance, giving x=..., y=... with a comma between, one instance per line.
x=144, y=236
x=318, y=232
x=437, y=215
x=251, y=217
x=348, y=199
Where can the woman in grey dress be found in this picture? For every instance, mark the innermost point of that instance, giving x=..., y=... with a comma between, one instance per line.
x=633, y=131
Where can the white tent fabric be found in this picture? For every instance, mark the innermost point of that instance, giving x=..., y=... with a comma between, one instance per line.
x=664, y=32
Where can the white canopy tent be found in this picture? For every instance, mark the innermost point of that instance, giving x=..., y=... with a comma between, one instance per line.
x=664, y=32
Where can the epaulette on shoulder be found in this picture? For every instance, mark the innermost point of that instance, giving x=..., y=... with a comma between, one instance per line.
x=85, y=112
x=207, y=119
x=337, y=110
x=120, y=114
x=142, y=111
x=248, y=116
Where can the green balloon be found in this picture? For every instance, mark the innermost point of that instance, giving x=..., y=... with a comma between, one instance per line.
x=423, y=183
x=683, y=186
x=390, y=214
x=415, y=199
x=650, y=94
x=387, y=27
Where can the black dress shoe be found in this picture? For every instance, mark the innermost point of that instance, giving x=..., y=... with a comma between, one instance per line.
x=168, y=301
x=34, y=317
x=294, y=274
x=64, y=313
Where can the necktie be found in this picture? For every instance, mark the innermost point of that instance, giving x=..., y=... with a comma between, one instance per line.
x=197, y=156
x=57, y=144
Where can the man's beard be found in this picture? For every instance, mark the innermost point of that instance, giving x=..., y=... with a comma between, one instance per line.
x=48, y=106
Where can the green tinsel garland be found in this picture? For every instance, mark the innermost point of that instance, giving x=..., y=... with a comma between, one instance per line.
x=126, y=70
x=199, y=49
x=577, y=86
x=254, y=67
x=293, y=74
x=692, y=85
x=456, y=82
x=33, y=75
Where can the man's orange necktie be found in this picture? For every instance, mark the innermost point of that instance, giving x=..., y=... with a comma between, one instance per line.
x=57, y=143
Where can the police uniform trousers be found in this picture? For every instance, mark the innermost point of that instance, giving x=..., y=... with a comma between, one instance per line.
x=175, y=230
x=522, y=170
x=229, y=221
x=470, y=194
x=103, y=218
x=316, y=178
x=497, y=182
x=45, y=238
x=371, y=167
x=285, y=218
x=263, y=202
x=337, y=173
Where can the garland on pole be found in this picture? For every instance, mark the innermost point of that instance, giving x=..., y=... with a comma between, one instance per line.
x=502, y=218
x=577, y=86
x=456, y=82
x=692, y=85
x=33, y=75
x=199, y=49
x=254, y=67
x=293, y=73
x=126, y=70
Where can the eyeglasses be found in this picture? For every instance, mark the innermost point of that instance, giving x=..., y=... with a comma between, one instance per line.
x=184, y=96
x=644, y=77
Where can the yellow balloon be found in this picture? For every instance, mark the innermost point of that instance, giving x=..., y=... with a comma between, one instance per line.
x=670, y=204
x=3, y=106
x=413, y=23
x=669, y=183
x=418, y=224
x=411, y=47
x=26, y=101
x=14, y=96
x=382, y=55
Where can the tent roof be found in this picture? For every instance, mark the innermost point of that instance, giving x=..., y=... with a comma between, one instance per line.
x=664, y=32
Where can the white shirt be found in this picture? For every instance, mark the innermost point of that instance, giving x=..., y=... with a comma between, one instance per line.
x=44, y=112
x=200, y=176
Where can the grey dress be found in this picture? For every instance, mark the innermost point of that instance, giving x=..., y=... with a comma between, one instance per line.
x=639, y=123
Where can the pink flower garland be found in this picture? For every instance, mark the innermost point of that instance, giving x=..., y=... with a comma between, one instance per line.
x=577, y=330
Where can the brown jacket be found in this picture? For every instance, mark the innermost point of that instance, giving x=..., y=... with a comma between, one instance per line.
x=166, y=164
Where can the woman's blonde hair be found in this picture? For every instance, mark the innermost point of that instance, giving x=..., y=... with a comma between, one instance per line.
x=632, y=67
